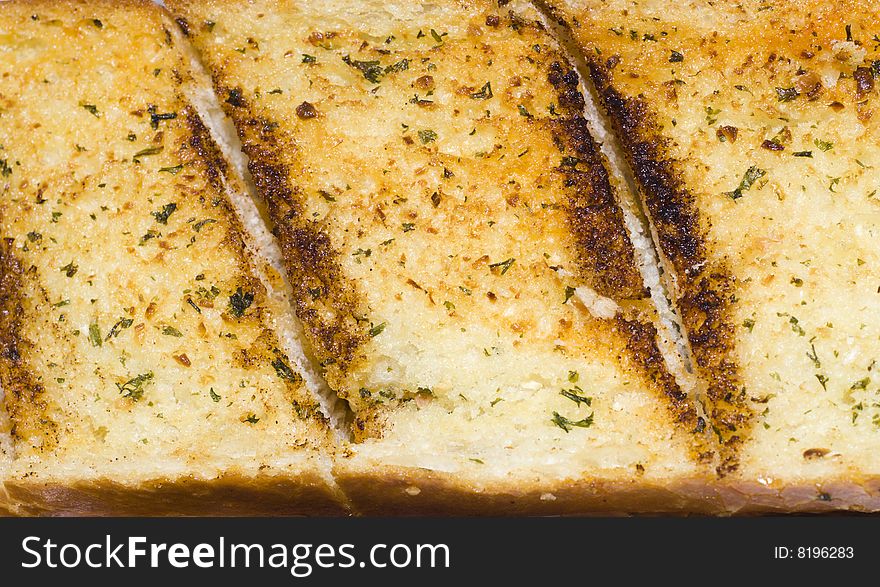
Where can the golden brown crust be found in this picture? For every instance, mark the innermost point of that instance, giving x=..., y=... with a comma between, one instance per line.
x=702, y=289
x=67, y=5
x=401, y=491
x=231, y=494
x=24, y=401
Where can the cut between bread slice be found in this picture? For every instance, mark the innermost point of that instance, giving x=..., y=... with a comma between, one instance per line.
x=752, y=130
x=458, y=257
x=142, y=369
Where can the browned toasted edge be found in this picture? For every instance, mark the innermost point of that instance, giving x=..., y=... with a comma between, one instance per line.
x=22, y=389
x=325, y=302
x=389, y=490
x=229, y=494
x=405, y=491
x=704, y=288
x=147, y=5
x=308, y=254
x=606, y=254
x=216, y=169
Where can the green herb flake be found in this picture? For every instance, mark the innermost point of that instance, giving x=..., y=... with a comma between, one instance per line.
x=365, y=253
x=427, y=136
x=787, y=94
x=5, y=169
x=371, y=70
x=749, y=323
x=162, y=215
x=401, y=65
x=502, y=266
x=172, y=170
x=523, y=111
x=822, y=380
x=823, y=145
x=134, y=388
x=676, y=57
x=309, y=58
x=795, y=327
x=437, y=36
x=149, y=151
x=171, y=331
x=120, y=325
x=283, y=370
x=752, y=175
x=91, y=109
x=198, y=226
x=156, y=117
x=808, y=154
x=216, y=398
x=151, y=234
x=569, y=292
x=712, y=115
x=95, y=334
x=861, y=384
x=814, y=357
x=251, y=418
x=567, y=424
x=576, y=395
x=239, y=302
x=573, y=376
x=485, y=92
x=377, y=329
x=70, y=269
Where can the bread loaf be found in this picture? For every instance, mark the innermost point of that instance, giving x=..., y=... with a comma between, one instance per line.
x=457, y=310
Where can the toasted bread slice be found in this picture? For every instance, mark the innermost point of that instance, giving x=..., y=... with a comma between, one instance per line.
x=752, y=129
x=142, y=371
x=458, y=256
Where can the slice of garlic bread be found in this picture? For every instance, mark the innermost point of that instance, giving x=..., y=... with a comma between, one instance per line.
x=752, y=129
x=459, y=259
x=142, y=371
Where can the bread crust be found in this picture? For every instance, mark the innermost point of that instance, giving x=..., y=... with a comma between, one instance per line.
x=376, y=490
x=230, y=494
x=407, y=491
